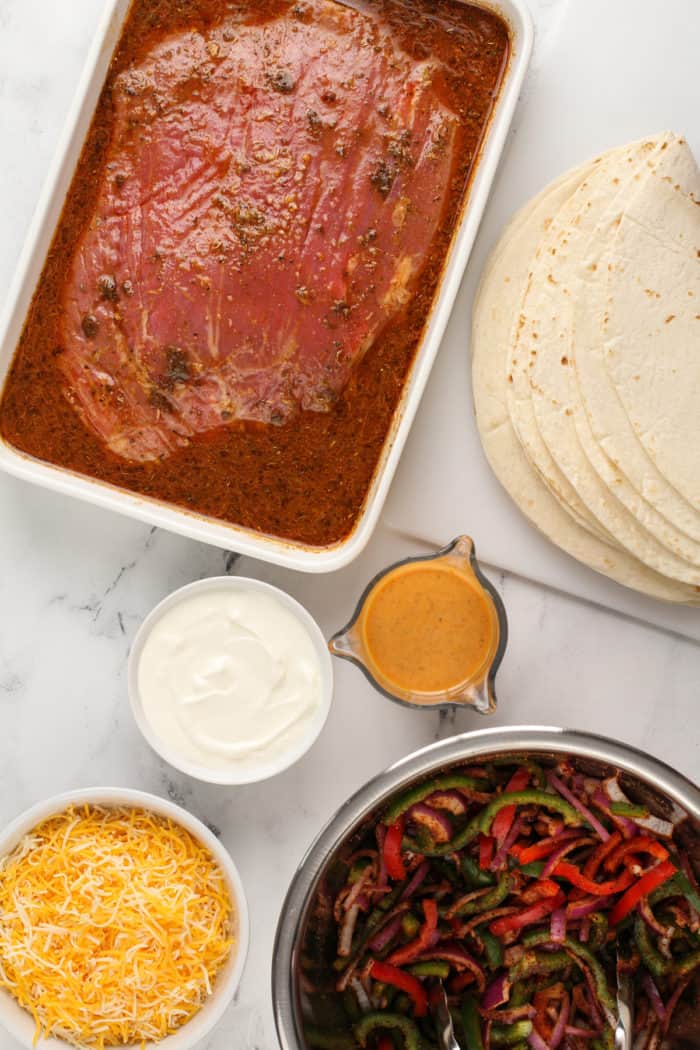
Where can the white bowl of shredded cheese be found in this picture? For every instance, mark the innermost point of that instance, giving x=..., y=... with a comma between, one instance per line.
x=109, y=873
x=230, y=680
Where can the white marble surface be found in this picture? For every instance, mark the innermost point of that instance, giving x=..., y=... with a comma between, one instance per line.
x=75, y=583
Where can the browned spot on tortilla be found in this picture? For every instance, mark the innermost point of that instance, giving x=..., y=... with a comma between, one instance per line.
x=671, y=317
x=565, y=360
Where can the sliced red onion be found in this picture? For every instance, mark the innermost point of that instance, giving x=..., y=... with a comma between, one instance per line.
x=560, y=1027
x=363, y=999
x=483, y=919
x=536, y=1041
x=453, y=953
x=347, y=930
x=580, y=1033
x=517, y=1013
x=585, y=932
x=415, y=881
x=433, y=820
x=673, y=1001
x=558, y=926
x=501, y=856
x=654, y=997
x=452, y=801
x=644, y=909
x=581, y=908
x=357, y=889
x=657, y=825
x=385, y=935
x=473, y=895
x=497, y=993
x=561, y=852
x=585, y=812
x=628, y=829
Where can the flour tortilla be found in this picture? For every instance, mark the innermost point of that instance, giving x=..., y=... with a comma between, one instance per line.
x=545, y=352
x=610, y=425
x=497, y=301
x=525, y=342
x=652, y=342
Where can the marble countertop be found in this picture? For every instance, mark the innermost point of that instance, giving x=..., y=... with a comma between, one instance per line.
x=75, y=583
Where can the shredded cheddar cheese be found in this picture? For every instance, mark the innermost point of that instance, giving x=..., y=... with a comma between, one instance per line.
x=114, y=923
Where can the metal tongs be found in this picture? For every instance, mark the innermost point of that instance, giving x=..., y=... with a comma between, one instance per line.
x=624, y=1028
x=437, y=1000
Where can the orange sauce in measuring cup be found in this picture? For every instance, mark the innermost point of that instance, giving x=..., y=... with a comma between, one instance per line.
x=427, y=627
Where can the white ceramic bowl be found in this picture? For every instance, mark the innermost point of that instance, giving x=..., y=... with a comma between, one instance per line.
x=21, y=1025
x=264, y=770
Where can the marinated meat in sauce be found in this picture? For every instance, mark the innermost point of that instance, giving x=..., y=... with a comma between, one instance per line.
x=256, y=229
x=267, y=202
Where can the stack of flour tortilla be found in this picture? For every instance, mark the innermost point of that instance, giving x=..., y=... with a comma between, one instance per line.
x=586, y=364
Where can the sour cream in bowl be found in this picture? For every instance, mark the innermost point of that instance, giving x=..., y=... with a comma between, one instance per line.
x=230, y=680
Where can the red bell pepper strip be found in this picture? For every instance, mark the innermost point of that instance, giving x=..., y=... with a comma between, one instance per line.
x=571, y=873
x=487, y=846
x=393, y=861
x=461, y=981
x=408, y=952
x=590, y=868
x=538, y=890
x=639, y=844
x=503, y=821
x=385, y=1043
x=646, y=885
x=387, y=974
x=536, y=912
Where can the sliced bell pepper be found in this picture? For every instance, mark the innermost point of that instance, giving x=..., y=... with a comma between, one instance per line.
x=644, y=886
x=431, y=968
x=491, y=899
x=503, y=821
x=451, y=782
x=492, y=947
x=481, y=823
x=385, y=1043
x=393, y=861
x=590, y=868
x=487, y=848
x=535, y=913
x=474, y=876
x=533, y=963
x=538, y=890
x=408, y=952
x=579, y=951
x=509, y=1034
x=471, y=1023
x=639, y=844
x=572, y=874
x=388, y=974
x=378, y=1020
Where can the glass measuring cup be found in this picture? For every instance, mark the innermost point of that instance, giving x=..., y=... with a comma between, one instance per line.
x=477, y=689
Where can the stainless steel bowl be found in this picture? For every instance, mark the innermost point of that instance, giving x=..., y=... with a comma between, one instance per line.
x=300, y=912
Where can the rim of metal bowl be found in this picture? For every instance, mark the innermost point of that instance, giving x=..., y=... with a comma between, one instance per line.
x=472, y=745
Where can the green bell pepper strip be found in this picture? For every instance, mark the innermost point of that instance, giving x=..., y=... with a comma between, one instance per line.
x=377, y=1020
x=509, y=1034
x=327, y=1040
x=533, y=963
x=534, y=768
x=492, y=947
x=679, y=885
x=599, y=930
x=410, y=924
x=489, y=900
x=481, y=823
x=474, y=876
x=628, y=809
x=430, y=968
x=652, y=959
x=471, y=1022
x=414, y=795
x=605, y=1041
x=534, y=869
x=521, y=993
x=580, y=951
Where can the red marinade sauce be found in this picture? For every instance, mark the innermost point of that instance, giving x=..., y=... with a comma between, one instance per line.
x=304, y=476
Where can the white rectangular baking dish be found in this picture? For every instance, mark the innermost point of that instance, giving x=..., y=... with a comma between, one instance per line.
x=167, y=516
